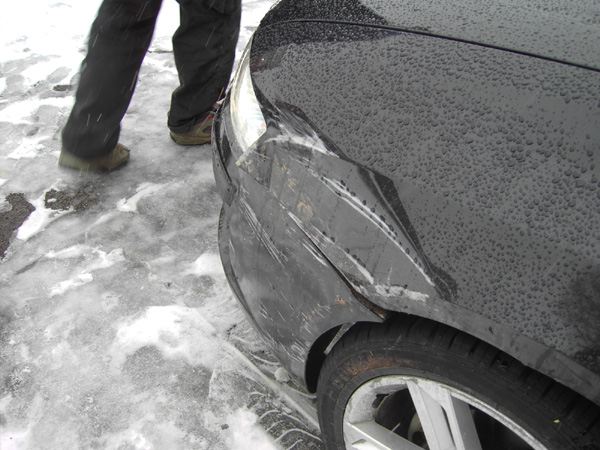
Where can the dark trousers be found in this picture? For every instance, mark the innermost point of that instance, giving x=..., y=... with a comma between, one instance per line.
x=204, y=50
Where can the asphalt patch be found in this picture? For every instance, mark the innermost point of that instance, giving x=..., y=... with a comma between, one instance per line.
x=10, y=221
x=79, y=200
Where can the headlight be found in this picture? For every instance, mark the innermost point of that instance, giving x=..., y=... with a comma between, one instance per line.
x=248, y=121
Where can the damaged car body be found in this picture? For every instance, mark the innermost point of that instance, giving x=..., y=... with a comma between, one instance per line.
x=412, y=214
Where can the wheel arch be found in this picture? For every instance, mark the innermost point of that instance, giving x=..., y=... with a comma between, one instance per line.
x=532, y=354
x=423, y=349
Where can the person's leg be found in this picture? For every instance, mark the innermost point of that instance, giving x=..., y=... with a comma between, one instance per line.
x=204, y=49
x=118, y=42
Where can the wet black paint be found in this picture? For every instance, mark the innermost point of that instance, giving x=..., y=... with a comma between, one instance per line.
x=441, y=178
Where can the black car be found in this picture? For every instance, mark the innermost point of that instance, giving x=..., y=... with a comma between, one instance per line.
x=412, y=216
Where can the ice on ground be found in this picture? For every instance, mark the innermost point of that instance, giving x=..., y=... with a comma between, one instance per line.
x=73, y=251
x=177, y=332
x=46, y=28
x=28, y=148
x=42, y=70
x=105, y=260
x=206, y=264
x=77, y=281
x=119, y=331
x=245, y=432
x=21, y=112
x=16, y=440
x=39, y=219
x=98, y=260
x=144, y=190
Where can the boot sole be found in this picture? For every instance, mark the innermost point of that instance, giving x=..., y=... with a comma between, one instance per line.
x=189, y=141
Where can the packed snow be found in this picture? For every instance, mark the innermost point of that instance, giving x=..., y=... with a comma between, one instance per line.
x=117, y=327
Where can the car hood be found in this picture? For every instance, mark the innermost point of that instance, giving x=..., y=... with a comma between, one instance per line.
x=561, y=30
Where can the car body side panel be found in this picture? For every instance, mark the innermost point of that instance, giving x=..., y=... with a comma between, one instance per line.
x=484, y=163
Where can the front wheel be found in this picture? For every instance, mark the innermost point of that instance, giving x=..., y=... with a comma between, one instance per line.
x=414, y=384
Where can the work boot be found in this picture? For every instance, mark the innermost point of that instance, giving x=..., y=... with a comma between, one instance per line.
x=199, y=134
x=115, y=159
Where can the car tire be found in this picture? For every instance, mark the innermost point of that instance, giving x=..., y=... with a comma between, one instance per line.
x=431, y=383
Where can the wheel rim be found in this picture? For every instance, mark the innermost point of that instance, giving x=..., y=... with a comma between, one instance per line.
x=408, y=413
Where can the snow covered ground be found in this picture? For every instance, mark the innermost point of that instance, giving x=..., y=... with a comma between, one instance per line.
x=117, y=327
